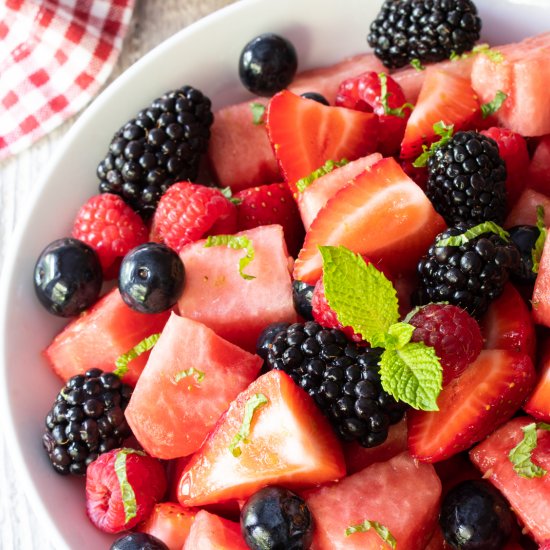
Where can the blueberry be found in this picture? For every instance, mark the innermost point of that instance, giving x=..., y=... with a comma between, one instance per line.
x=67, y=277
x=267, y=64
x=474, y=515
x=277, y=519
x=524, y=237
x=302, y=294
x=267, y=336
x=138, y=541
x=151, y=278
x=316, y=97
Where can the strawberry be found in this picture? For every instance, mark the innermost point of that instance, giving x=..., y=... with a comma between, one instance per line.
x=539, y=169
x=471, y=406
x=443, y=97
x=188, y=211
x=111, y=228
x=538, y=404
x=122, y=487
x=305, y=134
x=364, y=93
x=271, y=204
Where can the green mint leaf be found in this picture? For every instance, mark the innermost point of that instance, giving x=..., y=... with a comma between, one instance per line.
x=360, y=294
x=536, y=253
x=146, y=344
x=417, y=64
x=521, y=455
x=303, y=183
x=192, y=371
x=236, y=243
x=473, y=232
x=228, y=194
x=384, y=96
x=382, y=531
x=493, y=106
x=398, y=336
x=412, y=374
x=253, y=403
x=258, y=112
x=445, y=133
x=126, y=490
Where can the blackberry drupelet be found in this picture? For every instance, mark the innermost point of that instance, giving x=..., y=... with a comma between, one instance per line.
x=342, y=378
x=161, y=146
x=466, y=182
x=428, y=30
x=87, y=419
x=471, y=275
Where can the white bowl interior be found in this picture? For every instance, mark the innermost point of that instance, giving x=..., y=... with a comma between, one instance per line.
x=204, y=55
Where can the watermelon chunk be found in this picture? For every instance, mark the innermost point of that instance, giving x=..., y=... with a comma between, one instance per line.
x=529, y=498
x=211, y=532
x=538, y=176
x=524, y=212
x=541, y=292
x=235, y=308
x=102, y=334
x=169, y=417
x=538, y=404
x=401, y=494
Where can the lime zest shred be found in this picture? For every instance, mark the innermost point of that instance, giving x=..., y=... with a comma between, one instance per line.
x=192, y=371
x=381, y=530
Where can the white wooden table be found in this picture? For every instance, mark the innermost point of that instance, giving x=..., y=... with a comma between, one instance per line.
x=153, y=21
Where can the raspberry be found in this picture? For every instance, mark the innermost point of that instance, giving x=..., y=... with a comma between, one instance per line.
x=110, y=227
x=453, y=333
x=104, y=503
x=187, y=212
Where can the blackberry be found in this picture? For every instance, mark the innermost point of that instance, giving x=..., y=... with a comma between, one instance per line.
x=428, y=30
x=471, y=275
x=466, y=180
x=342, y=378
x=524, y=237
x=161, y=146
x=302, y=294
x=87, y=419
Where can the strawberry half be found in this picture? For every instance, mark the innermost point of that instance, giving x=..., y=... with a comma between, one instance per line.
x=305, y=134
x=471, y=406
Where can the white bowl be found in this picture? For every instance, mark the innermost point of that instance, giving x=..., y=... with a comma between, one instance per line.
x=204, y=55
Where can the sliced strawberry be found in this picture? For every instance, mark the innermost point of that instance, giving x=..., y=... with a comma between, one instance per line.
x=508, y=324
x=382, y=214
x=305, y=134
x=271, y=204
x=538, y=404
x=290, y=442
x=471, y=406
x=443, y=97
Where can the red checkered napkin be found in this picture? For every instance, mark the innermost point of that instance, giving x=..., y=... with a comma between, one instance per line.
x=54, y=57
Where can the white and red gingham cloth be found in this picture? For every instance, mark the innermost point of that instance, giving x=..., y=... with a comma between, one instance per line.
x=54, y=57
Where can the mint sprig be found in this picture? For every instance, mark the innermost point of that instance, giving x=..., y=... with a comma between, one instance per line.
x=253, y=403
x=536, y=253
x=228, y=194
x=258, y=113
x=303, y=183
x=127, y=493
x=381, y=530
x=236, y=243
x=385, y=95
x=494, y=105
x=473, y=233
x=146, y=344
x=445, y=132
x=521, y=455
x=365, y=299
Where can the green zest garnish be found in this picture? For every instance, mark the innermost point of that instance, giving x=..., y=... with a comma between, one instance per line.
x=236, y=243
x=521, y=455
x=493, y=106
x=384, y=96
x=303, y=183
x=485, y=49
x=473, y=232
x=198, y=374
x=380, y=529
x=445, y=133
x=253, y=403
x=258, y=112
x=417, y=64
x=126, y=490
x=145, y=345
x=536, y=253
x=365, y=299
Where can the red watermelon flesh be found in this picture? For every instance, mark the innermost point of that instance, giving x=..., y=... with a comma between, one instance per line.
x=538, y=404
x=235, y=308
x=539, y=170
x=524, y=212
x=99, y=336
x=401, y=494
x=211, y=532
x=171, y=418
x=529, y=498
x=541, y=292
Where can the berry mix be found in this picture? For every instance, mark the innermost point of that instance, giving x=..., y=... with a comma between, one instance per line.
x=328, y=342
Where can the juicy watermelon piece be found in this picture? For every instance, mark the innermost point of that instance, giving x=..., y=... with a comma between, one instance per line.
x=317, y=194
x=538, y=404
x=211, y=532
x=524, y=212
x=538, y=176
x=169, y=417
x=524, y=75
x=170, y=523
x=401, y=494
x=541, y=292
x=236, y=308
x=290, y=443
x=381, y=214
x=100, y=336
x=529, y=498
x=508, y=324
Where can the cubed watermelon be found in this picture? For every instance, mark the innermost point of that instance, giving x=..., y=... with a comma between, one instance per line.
x=524, y=212
x=538, y=404
x=538, y=176
x=211, y=532
x=541, y=292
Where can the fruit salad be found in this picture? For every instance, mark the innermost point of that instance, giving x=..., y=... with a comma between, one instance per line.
x=337, y=340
